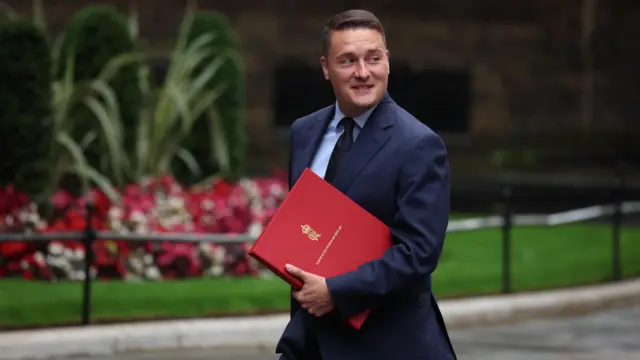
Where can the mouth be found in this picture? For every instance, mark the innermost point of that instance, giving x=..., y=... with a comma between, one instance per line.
x=362, y=88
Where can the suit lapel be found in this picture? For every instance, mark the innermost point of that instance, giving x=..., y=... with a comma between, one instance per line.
x=309, y=140
x=369, y=142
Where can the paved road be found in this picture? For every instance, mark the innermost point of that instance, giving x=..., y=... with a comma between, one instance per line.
x=612, y=335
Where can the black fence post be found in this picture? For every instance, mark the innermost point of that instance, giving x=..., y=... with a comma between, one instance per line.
x=616, y=219
x=506, y=240
x=88, y=250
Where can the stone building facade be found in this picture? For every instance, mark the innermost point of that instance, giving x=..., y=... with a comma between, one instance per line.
x=533, y=71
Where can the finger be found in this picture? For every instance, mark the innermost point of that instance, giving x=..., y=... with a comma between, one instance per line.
x=317, y=312
x=314, y=309
x=295, y=271
x=301, y=296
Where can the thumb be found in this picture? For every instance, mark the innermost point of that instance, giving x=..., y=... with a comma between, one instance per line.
x=296, y=272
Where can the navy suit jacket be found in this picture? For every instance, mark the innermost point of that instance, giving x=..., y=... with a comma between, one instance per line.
x=397, y=169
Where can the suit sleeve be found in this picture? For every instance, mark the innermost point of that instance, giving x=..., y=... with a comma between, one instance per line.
x=419, y=229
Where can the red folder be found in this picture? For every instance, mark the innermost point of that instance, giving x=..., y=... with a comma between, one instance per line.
x=320, y=230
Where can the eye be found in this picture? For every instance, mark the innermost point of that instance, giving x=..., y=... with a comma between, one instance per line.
x=345, y=61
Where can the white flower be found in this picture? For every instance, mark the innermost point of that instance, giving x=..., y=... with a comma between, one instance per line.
x=41, y=225
x=138, y=217
x=79, y=275
x=256, y=208
x=251, y=188
x=131, y=277
x=56, y=248
x=142, y=229
x=38, y=257
x=166, y=221
x=136, y=265
x=204, y=247
x=78, y=254
x=23, y=216
x=160, y=196
x=61, y=264
x=33, y=218
x=175, y=202
x=116, y=225
x=147, y=259
x=255, y=229
x=218, y=254
x=152, y=272
x=68, y=254
x=277, y=190
x=215, y=270
x=115, y=213
x=50, y=259
x=208, y=204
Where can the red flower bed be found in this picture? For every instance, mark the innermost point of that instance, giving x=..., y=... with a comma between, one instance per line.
x=156, y=205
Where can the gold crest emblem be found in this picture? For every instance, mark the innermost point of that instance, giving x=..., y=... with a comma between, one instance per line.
x=312, y=234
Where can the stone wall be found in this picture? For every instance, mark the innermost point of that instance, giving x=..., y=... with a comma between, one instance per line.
x=526, y=58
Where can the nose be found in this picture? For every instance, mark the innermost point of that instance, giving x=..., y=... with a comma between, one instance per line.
x=362, y=71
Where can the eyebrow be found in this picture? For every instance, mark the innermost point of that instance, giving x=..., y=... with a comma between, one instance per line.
x=378, y=49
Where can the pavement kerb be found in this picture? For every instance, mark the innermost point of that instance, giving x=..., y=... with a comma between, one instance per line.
x=262, y=332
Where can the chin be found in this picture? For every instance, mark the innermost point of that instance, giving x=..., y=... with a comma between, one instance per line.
x=365, y=101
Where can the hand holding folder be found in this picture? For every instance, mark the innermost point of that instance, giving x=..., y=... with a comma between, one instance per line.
x=321, y=231
x=315, y=292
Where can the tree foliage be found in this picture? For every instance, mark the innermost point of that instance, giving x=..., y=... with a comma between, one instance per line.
x=25, y=106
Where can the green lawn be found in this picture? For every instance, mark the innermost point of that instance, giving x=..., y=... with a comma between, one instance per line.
x=543, y=257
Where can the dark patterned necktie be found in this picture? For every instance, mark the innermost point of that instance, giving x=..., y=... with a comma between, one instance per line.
x=341, y=149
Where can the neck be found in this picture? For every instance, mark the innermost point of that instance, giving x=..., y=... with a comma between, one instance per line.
x=351, y=111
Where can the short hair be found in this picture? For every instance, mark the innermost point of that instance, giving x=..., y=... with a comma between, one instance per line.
x=350, y=19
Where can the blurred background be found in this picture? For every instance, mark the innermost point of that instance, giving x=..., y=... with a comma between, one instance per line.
x=126, y=121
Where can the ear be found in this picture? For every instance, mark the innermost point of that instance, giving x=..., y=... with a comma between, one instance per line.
x=388, y=62
x=325, y=67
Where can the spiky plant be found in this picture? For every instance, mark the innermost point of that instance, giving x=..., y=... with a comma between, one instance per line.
x=230, y=133
x=95, y=35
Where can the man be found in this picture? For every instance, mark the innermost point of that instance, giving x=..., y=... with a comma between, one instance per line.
x=395, y=167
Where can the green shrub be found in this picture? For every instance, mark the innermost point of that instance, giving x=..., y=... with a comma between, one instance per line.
x=25, y=107
x=231, y=103
x=95, y=35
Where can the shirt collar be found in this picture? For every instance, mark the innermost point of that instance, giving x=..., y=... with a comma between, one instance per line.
x=360, y=120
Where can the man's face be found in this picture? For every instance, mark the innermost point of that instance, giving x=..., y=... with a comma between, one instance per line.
x=357, y=64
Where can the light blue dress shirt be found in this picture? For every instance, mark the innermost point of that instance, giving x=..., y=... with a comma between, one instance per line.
x=331, y=136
